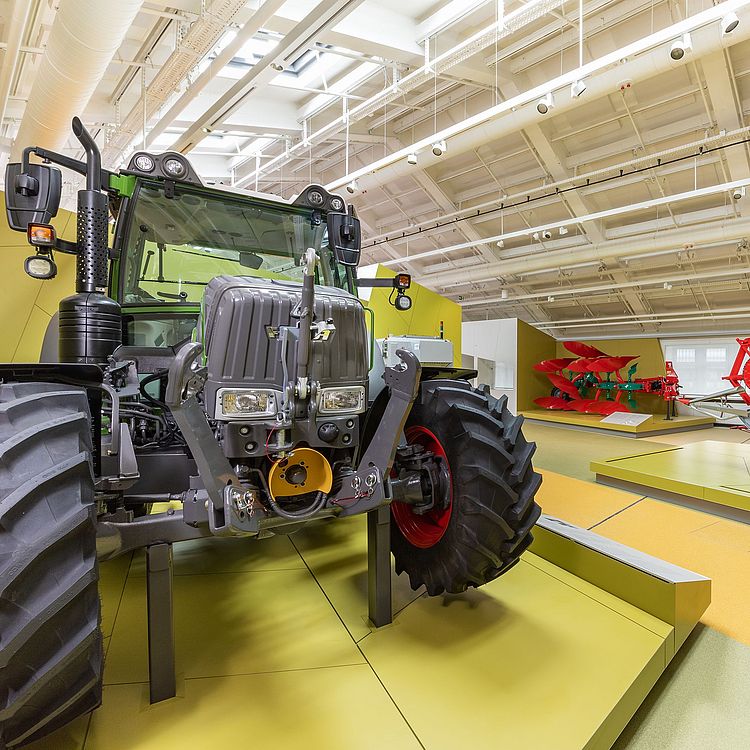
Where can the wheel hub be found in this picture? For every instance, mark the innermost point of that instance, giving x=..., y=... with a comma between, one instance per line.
x=424, y=523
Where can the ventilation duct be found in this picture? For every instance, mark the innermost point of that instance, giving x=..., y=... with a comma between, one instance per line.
x=84, y=38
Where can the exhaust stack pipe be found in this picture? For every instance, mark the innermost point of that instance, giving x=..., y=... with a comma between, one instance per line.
x=90, y=324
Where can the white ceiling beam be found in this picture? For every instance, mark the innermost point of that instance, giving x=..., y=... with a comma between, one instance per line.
x=641, y=59
x=301, y=37
x=727, y=110
x=445, y=204
x=377, y=31
x=244, y=35
x=726, y=187
x=722, y=231
x=445, y=16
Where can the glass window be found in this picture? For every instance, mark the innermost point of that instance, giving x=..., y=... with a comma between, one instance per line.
x=177, y=245
x=159, y=330
x=701, y=364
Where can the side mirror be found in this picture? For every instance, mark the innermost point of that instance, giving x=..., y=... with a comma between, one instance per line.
x=250, y=260
x=345, y=238
x=31, y=196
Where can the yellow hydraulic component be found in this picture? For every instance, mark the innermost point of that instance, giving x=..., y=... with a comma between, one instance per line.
x=301, y=471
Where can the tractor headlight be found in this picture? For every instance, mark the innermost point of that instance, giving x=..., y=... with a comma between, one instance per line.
x=335, y=400
x=243, y=403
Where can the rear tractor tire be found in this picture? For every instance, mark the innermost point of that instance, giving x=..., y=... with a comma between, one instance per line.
x=50, y=638
x=491, y=510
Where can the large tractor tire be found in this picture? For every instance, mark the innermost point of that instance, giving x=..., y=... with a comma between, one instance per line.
x=490, y=508
x=50, y=638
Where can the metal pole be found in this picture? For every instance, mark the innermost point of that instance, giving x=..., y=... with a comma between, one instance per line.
x=161, y=660
x=379, y=566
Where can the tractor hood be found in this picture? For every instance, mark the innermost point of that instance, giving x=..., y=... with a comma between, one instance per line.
x=239, y=328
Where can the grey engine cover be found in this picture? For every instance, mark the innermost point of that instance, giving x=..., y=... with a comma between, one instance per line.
x=241, y=315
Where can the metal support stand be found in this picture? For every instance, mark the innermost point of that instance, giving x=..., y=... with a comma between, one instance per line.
x=161, y=662
x=379, y=566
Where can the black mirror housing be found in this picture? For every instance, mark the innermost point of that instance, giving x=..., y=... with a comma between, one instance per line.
x=345, y=238
x=31, y=196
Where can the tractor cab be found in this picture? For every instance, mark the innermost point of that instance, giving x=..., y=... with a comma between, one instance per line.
x=176, y=237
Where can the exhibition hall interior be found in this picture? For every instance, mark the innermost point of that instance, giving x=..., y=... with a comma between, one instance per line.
x=375, y=374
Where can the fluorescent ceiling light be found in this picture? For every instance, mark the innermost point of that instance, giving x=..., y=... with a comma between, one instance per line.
x=604, y=288
x=619, y=210
x=711, y=15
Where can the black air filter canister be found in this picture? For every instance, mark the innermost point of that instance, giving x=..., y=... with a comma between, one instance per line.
x=90, y=328
x=90, y=324
x=91, y=235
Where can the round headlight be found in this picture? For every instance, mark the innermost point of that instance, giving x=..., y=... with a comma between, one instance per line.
x=174, y=168
x=40, y=267
x=315, y=197
x=337, y=204
x=402, y=302
x=144, y=163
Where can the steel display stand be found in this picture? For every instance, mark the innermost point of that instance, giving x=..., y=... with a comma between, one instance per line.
x=161, y=645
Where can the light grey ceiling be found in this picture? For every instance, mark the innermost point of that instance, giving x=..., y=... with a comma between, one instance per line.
x=640, y=152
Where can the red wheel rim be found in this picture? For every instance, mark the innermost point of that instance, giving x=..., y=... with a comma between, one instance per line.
x=425, y=530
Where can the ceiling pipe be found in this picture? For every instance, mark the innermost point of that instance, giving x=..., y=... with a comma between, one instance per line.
x=546, y=194
x=19, y=17
x=200, y=39
x=84, y=38
x=661, y=334
x=617, y=211
x=729, y=231
x=637, y=61
x=638, y=316
x=708, y=317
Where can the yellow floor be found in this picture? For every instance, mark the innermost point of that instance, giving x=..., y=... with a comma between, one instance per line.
x=722, y=434
x=714, y=471
x=273, y=645
x=263, y=655
x=658, y=422
x=714, y=547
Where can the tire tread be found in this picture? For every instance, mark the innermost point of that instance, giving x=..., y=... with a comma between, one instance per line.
x=51, y=654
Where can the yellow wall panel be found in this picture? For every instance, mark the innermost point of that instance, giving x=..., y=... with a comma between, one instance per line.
x=30, y=342
x=532, y=346
x=22, y=333
x=423, y=319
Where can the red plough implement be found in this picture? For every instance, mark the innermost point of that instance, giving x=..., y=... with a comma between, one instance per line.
x=720, y=404
x=593, y=372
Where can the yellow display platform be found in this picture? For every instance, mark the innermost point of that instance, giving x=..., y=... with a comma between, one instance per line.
x=709, y=474
x=657, y=425
x=274, y=648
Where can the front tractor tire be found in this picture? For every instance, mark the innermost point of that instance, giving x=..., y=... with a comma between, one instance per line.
x=485, y=523
x=50, y=638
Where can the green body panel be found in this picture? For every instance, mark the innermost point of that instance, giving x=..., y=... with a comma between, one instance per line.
x=123, y=183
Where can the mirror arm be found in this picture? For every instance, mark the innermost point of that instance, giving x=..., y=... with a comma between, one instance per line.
x=64, y=161
x=379, y=282
x=66, y=246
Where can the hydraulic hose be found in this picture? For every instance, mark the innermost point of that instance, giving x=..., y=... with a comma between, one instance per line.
x=299, y=515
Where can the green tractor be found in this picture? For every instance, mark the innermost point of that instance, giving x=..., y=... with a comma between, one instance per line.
x=215, y=357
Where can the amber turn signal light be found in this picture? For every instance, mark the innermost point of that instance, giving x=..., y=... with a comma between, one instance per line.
x=403, y=281
x=41, y=235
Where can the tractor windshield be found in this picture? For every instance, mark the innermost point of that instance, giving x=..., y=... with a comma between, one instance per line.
x=177, y=245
